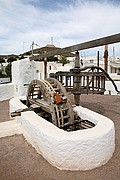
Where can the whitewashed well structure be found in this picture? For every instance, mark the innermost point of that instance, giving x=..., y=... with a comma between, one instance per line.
x=76, y=150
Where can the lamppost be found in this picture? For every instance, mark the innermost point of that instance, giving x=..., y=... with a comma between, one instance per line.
x=32, y=45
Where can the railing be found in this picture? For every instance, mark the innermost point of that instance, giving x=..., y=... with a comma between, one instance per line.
x=82, y=82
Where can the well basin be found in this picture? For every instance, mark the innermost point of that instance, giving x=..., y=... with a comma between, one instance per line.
x=76, y=150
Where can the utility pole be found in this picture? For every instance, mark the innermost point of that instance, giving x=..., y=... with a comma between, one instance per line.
x=113, y=53
x=52, y=40
x=98, y=59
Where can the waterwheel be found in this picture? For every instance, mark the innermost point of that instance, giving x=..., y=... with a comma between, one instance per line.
x=51, y=98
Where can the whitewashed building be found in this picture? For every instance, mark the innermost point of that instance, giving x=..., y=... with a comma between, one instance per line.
x=52, y=67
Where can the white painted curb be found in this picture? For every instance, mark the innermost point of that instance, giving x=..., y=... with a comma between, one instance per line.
x=77, y=150
x=6, y=91
x=16, y=104
x=10, y=128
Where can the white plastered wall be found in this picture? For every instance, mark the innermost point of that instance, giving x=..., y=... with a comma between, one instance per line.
x=110, y=88
x=23, y=72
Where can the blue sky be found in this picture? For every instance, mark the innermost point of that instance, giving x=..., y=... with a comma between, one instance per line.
x=68, y=21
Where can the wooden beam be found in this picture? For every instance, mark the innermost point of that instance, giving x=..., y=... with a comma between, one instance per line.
x=106, y=58
x=86, y=45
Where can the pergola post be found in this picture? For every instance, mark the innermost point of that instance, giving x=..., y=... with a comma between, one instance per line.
x=45, y=67
x=77, y=79
x=77, y=60
x=106, y=58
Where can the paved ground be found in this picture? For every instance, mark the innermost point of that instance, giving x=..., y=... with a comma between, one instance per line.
x=19, y=161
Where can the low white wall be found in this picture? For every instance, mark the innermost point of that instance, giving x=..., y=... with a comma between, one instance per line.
x=16, y=104
x=6, y=91
x=110, y=88
x=77, y=150
x=4, y=80
x=10, y=128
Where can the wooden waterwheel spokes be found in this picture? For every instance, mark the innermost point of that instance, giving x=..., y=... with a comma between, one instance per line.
x=51, y=97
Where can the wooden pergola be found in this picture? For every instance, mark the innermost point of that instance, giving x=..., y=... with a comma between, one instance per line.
x=44, y=50
x=86, y=45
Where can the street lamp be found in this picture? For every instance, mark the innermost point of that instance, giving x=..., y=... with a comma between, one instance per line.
x=32, y=45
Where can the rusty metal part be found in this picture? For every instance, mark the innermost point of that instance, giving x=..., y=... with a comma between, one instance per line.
x=57, y=98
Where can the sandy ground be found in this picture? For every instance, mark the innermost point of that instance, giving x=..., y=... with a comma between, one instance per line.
x=20, y=161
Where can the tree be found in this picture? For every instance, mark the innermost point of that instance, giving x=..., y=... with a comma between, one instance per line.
x=11, y=59
x=21, y=56
x=8, y=70
x=52, y=59
x=2, y=60
x=28, y=53
x=63, y=60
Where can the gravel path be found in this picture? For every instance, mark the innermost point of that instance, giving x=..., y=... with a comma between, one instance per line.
x=20, y=161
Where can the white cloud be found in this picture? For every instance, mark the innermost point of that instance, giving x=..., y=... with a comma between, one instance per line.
x=21, y=21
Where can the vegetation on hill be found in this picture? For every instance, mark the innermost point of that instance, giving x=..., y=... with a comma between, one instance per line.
x=8, y=70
